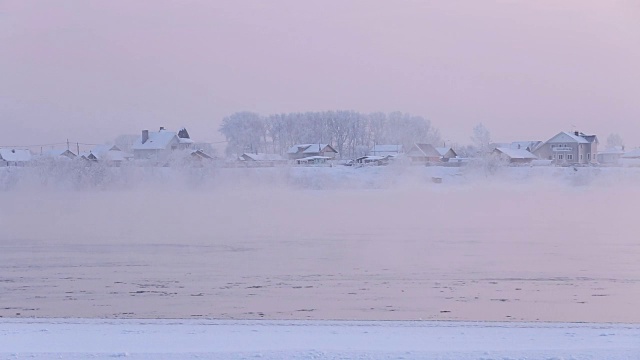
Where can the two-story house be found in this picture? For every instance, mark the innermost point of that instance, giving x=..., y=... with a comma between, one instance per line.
x=157, y=145
x=569, y=149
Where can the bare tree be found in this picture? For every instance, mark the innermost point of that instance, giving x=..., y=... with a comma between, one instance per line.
x=481, y=138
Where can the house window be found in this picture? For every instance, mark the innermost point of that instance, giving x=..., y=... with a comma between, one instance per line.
x=580, y=156
x=560, y=157
x=589, y=156
x=569, y=157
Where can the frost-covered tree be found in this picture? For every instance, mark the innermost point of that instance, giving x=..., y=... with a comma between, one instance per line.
x=481, y=138
x=614, y=140
x=350, y=132
x=244, y=131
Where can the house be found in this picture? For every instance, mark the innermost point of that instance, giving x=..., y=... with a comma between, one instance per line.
x=14, y=157
x=301, y=151
x=446, y=153
x=611, y=156
x=110, y=154
x=260, y=157
x=59, y=154
x=514, y=156
x=159, y=144
x=386, y=150
x=567, y=148
x=423, y=154
x=631, y=158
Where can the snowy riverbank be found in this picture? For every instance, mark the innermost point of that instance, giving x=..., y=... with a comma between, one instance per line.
x=196, y=339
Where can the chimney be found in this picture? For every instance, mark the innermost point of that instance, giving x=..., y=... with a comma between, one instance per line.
x=161, y=128
x=577, y=133
x=145, y=136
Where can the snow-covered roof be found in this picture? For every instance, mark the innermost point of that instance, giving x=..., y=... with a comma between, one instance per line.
x=314, y=158
x=262, y=157
x=516, y=153
x=200, y=153
x=111, y=155
x=185, y=140
x=309, y=148
x=15, y=155
x=444, y=150
x=103, y=149
x=158, y=140
x=632, y=154
x=531, y=145
x=424, y=150
x=616, y=150
x=54, y=153
x=572, y=137
x=372, y=157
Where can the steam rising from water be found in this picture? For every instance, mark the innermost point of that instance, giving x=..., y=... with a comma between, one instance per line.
x=381, y=229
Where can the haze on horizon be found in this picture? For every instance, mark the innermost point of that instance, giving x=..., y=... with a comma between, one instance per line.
x=90, y=71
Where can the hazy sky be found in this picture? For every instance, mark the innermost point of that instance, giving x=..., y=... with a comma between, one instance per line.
x=91, y=70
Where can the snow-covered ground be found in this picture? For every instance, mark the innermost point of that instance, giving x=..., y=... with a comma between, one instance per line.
x=199, y=339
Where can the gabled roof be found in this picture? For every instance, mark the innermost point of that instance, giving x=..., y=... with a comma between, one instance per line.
x=444, y=150
x=158, y=140
x=262, y=157
x=564, y=137
x=424, y=150
x=515, y=153
x=201, y=154
x=15, y=155
x=310, y=148
x=531, y=145
x=103, y=149
x=54, y=153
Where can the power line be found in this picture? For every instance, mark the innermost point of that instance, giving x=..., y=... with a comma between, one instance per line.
x=51, y=144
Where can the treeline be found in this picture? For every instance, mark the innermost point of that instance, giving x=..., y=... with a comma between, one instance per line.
x=351, y=133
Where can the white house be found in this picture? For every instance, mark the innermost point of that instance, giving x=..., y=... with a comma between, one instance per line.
x=423, y=154
x=514, y=156
x=446, y=153
x=157, y=145
x=14, y=157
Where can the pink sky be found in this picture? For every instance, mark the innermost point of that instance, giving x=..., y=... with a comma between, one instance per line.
x=91, y=70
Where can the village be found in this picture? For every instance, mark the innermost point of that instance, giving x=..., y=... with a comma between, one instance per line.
x=164, y=148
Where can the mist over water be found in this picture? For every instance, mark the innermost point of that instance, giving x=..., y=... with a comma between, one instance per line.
x=554, y=244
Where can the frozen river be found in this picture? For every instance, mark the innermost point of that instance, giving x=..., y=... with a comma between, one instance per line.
x=491, y=252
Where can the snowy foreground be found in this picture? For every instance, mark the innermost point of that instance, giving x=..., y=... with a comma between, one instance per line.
x=195, y=339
